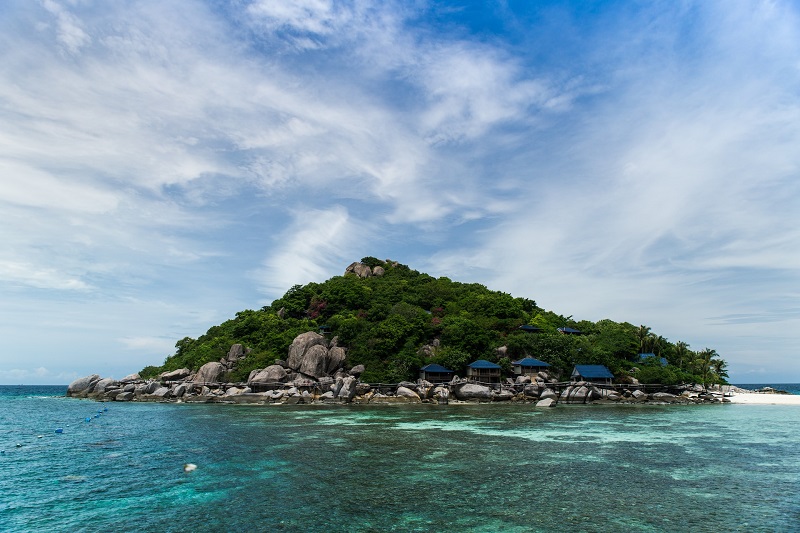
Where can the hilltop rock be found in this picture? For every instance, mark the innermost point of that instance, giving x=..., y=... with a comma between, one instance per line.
x=131, y=377
x=359, y=269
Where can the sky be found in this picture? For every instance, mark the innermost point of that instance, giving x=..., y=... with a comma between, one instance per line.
x=165, y=164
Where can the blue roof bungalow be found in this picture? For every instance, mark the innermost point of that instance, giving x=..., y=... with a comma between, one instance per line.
x=529, y=367
x=569, y=331
x=593, y=373
x=527, y=328
x=650, y=358
x=483, y=371
x=435, y=373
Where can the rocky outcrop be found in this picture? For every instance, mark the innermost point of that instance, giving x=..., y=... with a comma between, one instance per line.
x=81, y=387
x=359, y=269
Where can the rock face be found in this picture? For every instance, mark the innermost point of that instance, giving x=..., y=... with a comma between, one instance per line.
x=209, y=373
x=83, y=386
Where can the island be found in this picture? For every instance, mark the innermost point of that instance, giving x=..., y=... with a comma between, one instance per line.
x=385, y=333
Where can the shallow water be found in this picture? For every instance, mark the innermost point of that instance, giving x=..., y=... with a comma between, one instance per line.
x=395, y=468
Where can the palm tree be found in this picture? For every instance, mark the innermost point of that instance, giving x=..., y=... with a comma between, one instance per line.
x=704, y=358
x=720, y=368
x=643, y=334
x=682, y=354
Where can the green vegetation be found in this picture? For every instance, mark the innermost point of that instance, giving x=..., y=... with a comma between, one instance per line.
x=385, y=321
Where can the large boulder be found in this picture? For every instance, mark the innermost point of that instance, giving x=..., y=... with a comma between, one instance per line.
x=175, y=375
x=348, y=389
x=209, y=373
x=359, y=269
x=548, y=393
x=236, y=352
x=161, y=392
x=336, y=357
x=473, y=391
x=271, y=374
x=300, y=345
x=100, y=387
x=315, y=361
x=547, y=402
x=131, y=377
x=575, y=394
x=82, y=386
x=405, y=392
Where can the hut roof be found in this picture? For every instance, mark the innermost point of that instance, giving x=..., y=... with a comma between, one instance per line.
x=593, y=371
x=529, y=329
x=482, y=363
x=436, y=368
x=646, y=357
x=530, y=361
x=570, y=331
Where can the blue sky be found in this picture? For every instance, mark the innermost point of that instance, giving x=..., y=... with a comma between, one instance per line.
x=166, y=164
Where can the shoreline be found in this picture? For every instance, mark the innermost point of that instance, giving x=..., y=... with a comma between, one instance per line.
x=763, y=398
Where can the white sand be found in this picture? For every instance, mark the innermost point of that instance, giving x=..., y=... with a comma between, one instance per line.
x=765, y=399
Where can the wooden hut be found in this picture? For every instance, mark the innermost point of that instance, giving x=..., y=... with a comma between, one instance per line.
x=483, y=371
x=593, y=373
x=435, y=373
x=529, y=367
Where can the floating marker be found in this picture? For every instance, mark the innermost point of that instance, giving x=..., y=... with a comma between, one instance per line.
x=97, y=415
x=59, y=430
x=39, y=436
x=189, y=467
x=105, y=408
x=88, y=419
x=19, y=445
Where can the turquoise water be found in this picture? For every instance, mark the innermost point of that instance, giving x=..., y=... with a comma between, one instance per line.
x=395, y=468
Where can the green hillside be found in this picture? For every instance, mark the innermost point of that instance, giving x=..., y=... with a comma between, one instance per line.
x=401, y=320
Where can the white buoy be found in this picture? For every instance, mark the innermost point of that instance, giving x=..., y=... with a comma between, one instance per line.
x=189, y=467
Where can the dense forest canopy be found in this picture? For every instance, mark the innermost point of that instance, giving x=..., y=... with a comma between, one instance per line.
x=399, y=321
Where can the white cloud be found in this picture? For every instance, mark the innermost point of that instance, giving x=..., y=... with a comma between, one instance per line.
x=316, y=244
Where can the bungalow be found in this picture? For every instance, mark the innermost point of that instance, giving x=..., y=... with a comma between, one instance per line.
x=529, y=367
x=483, y=371
x=593, y=373
x=651, y=357
x=527, y=328
x=435, y=373
x=569, y=331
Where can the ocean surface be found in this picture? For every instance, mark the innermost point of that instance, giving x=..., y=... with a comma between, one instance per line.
x=394, y=468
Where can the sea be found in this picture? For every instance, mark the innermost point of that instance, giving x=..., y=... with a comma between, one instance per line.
x=79, y=465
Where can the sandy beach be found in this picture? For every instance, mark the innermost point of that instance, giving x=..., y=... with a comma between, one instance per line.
x=764, y=398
